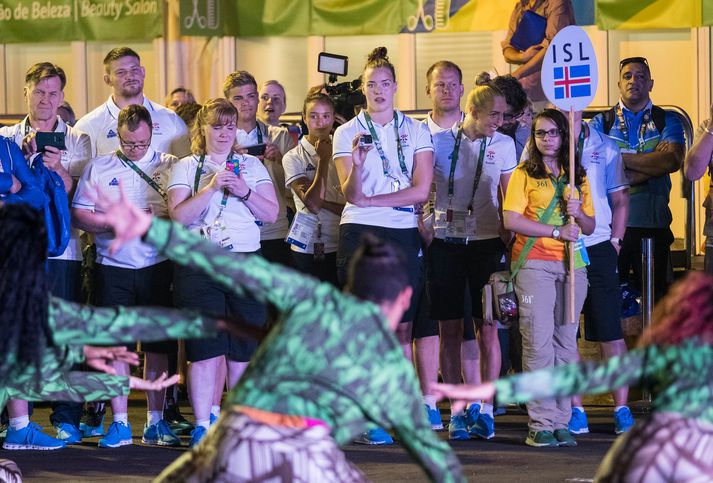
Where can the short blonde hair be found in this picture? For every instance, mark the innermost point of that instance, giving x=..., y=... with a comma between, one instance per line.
x=215, y=112
x=482, y=97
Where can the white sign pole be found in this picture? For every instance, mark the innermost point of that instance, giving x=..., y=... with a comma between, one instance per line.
x=569, y=79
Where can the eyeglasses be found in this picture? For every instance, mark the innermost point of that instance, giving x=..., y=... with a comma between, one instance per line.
x=134, y=146
x=633, y=60
x=541, y=134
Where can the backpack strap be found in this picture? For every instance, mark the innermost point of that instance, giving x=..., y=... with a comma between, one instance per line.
x=608, y=117
x=658, y=115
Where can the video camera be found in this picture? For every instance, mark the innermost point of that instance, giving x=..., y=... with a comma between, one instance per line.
x=345, y=95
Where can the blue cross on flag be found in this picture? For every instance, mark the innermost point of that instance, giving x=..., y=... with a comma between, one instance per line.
x=569, y=70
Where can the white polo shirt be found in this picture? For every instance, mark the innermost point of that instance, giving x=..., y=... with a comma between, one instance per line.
x=415, y=138
x=301, y=162
x=170, y=134
x=105, y=172
x=499, y=158
x=239, y=220
x=601, y=159
x=74, y=159
x=282, y=138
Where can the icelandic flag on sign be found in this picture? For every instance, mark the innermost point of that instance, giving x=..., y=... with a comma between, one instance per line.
x=572, y=81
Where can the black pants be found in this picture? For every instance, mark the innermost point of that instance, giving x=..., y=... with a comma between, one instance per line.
x=630, y=258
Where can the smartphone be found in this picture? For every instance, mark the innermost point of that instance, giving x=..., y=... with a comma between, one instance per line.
x=233, y=166
x=366, y=140
x=55, y=139
x=257, y=150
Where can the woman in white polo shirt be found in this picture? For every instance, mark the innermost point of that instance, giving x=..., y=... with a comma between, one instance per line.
x=384, y=182
x=220, y=195
x=476, y=163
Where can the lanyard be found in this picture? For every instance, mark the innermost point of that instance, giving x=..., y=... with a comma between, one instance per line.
x=625, y=130
x=259, y=133
x=380, y=148
x=580, y=144
x=29, y=129
x=197, y=180
x=142, y=175
x=451, y=175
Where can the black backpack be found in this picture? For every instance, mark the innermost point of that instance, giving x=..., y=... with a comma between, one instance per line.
x=657, y=114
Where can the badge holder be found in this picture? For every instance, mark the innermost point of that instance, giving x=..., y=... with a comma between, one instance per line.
x=302, y=230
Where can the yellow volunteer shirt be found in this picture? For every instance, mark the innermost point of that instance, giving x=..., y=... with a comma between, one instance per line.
x=531, y=197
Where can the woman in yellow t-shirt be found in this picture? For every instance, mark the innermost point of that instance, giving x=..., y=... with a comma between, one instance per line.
x=540, y=284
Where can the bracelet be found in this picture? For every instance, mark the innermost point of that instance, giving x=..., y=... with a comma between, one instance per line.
x=247, y=195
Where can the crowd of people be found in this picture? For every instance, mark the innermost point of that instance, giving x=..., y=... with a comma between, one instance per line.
x=413, y=216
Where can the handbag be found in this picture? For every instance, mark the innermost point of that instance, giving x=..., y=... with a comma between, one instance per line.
x=498, y=295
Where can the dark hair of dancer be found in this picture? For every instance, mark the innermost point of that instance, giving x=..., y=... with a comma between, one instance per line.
x=377, y=272
x=685, y=312
x=510, y=87
x=24, y=295
x=534, y=165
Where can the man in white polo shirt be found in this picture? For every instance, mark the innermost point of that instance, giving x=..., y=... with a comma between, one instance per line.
x=136, y=274
x=125, y=75
x=240, y=88
x=44, y=94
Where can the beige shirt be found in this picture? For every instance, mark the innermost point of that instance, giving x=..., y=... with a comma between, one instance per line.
x=559, y=14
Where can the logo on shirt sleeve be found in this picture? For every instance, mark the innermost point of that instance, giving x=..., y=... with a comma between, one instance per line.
x=114, y=182
x=110, y=134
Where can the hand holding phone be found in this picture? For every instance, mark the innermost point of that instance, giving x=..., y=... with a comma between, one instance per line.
x=257, y=150
x=54, y=139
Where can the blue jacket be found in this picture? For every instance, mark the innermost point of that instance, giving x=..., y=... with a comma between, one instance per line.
x=14, y=163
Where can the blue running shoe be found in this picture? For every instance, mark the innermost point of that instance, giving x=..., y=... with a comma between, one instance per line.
x=377, y=436
x=119, y=434
x=484, y=427
x=92, y=424
x=578, y=422
x=457, y=429
x=197, y=435
x=471, y=415
x=434, y=417
x=623, y=420
x=160, y=434
x=30, y=437
x=68, y=433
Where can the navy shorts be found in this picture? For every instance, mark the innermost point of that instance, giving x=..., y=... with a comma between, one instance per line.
x=408, y=239
x=452, y=267
x=602, y=309
x=136, y=287
x=196, y=290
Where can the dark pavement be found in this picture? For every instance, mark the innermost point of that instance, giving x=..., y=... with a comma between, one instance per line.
x=503, y=459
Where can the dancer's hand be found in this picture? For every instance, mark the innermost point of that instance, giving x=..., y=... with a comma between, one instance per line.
x=156, y=385
x=127, y=220
x=101, y=358
x=460, y=394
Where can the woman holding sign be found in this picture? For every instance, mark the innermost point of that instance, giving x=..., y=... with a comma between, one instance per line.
x=220, y=195
x=536, y=206
x=385, y=165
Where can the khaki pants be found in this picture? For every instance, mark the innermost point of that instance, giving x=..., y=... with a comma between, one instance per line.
x=548, y=339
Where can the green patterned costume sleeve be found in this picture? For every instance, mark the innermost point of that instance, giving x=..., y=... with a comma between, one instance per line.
x=78, y=324
x=678, y=376
x=329, y=356
x=76, y=386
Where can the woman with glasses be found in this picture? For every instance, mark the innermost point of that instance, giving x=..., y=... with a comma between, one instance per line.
x=384, y=162
x=220, y=195
x=545, y=217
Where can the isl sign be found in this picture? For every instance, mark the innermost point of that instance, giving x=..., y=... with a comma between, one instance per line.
x=569, y=70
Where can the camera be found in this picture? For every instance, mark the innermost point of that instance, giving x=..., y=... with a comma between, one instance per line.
x=366, y=140
x=345, y=95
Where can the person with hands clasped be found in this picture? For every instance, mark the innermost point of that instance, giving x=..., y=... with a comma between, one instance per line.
x=385, y=165
x=537, y=205
x=221, y=196
x=312, y=176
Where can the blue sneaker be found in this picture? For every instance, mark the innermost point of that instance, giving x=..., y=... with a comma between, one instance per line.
x=160, y=434
x=377, y=436
x=30, y=437
x=119, y=434
x=623, y=420
x=197, y=435
x=471, y=415
x=68, y=433
x=578, y=422
x=92, y=425
x=457, y=429
x=434, y=417
x=484, y=427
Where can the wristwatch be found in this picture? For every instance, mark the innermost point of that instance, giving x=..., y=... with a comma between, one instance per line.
x=555, y=233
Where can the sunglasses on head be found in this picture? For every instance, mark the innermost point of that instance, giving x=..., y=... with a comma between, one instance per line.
x=633, y=60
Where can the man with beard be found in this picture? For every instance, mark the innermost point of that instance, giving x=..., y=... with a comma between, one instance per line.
x=125, y=75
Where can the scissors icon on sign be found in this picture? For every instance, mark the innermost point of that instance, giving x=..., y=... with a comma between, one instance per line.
x=412, y=21
x=195, y=18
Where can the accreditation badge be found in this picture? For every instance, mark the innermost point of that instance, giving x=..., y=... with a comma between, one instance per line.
x=461, y=228
x=302, y=230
